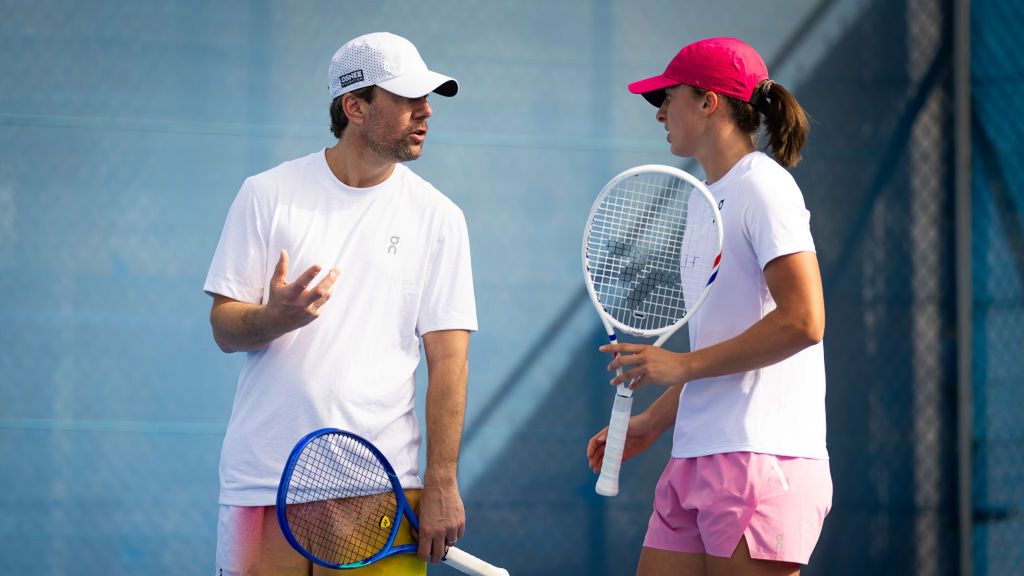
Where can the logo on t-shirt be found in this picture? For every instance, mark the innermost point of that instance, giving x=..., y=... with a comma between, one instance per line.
x=721, y=203
x=393, y=246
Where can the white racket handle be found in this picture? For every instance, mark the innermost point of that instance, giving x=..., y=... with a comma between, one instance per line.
x=468, y=564
x=608, y=482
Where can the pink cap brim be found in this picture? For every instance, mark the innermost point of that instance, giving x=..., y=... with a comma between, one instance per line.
x=652, y=88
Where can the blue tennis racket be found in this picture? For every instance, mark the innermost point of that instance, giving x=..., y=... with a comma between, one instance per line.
x=340, y=505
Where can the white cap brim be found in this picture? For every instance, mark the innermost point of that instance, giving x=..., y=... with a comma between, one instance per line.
x=420, y=83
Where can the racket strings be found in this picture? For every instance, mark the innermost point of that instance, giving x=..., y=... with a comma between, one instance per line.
x=340, y=506
x=643, y=229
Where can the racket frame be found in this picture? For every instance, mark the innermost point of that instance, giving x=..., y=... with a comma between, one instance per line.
x=401, y=508
x=454, y=557
x=608, y=481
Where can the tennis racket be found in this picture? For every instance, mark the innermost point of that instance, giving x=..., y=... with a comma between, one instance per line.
x=651, y=250
x=340, y=505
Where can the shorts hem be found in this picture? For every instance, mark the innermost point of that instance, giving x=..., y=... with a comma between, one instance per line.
x=760, y=554
x=673, y=547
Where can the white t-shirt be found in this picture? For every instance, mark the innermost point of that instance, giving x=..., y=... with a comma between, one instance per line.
x=778, y=409
x=403, y=252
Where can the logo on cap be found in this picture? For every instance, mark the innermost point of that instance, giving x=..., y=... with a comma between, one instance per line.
x=351, y=78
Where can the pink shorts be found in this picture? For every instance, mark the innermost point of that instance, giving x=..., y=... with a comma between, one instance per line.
x=705, y=504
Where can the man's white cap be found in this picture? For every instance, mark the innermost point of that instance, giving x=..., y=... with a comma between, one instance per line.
x=386, y=60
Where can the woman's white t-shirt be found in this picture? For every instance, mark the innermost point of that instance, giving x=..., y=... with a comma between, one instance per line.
x=403, y=252
x=778, y=409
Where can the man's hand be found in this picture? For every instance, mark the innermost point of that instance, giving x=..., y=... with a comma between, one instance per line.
x=442, y=519
x=291, y=306
x=243, y=327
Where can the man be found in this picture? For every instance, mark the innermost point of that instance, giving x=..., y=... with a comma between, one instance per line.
x=339, y=348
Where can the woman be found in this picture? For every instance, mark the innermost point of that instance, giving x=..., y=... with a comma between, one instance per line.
x=748, y=484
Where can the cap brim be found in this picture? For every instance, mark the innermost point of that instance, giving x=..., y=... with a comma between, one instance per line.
x=653, y=89
x=420, y=83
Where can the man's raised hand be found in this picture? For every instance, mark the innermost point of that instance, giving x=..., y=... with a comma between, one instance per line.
x=293, y=305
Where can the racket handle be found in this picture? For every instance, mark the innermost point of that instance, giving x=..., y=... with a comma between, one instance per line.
x=469, y=564
x=608, y=482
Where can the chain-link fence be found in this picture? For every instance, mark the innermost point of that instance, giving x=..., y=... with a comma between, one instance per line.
x=879, y=185
x=998, y=285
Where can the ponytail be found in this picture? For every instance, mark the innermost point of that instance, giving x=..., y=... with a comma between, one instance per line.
x=785, y=121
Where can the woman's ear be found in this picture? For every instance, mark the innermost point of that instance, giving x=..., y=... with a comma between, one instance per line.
x=710, y=103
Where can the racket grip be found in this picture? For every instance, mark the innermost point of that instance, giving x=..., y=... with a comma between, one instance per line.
x=608, y=482
x=469, y=564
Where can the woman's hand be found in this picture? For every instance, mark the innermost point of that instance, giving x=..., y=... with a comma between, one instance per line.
x=652, y=365
x=641, y=434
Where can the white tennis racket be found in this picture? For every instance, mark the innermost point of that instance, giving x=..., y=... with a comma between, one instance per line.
x=651, y=250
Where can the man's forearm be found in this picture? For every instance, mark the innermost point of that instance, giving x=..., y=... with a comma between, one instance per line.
x=240, y=327
x=446, y=402
x=243, y=327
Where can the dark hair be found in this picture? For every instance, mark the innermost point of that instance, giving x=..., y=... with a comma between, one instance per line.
x=784, y=118
x=338, y=118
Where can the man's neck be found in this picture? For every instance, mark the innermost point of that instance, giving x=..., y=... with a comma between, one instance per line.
x=355, y=166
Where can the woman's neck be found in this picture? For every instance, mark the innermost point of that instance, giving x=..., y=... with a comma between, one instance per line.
x=724, y=152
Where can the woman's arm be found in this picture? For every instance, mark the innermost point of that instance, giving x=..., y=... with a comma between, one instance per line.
x=798, y=321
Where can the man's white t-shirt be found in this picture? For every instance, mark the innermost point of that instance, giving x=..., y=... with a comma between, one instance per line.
x=403, y=252
x=778, y=409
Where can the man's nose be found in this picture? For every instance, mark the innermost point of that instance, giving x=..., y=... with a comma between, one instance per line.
x=423, y=109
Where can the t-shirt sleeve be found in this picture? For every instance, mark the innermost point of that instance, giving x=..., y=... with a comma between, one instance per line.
x=448, y=302
x=776, y=220
x=237, y=269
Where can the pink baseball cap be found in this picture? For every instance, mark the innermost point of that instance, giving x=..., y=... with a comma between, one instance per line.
x=724, y=65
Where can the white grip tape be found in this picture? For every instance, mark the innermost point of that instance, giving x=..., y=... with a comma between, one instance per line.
x=608, y=482
x=469, y=564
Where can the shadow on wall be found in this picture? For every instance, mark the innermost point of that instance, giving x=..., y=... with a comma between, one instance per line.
x=894, y=513
x=535, y=511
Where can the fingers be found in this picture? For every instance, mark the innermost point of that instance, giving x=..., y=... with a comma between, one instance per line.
x=633, y=379
x=597, y=442
x=432, y=549
x=623, y=360
x=300, y=283
x=595, y=449
x=423, y=546
x=627, y=348
x=280, y=270
x=326, y=286
x=292, y=305
x=321, y=293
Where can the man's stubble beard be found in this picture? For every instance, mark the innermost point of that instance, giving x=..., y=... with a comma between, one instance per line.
x=398, y=150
